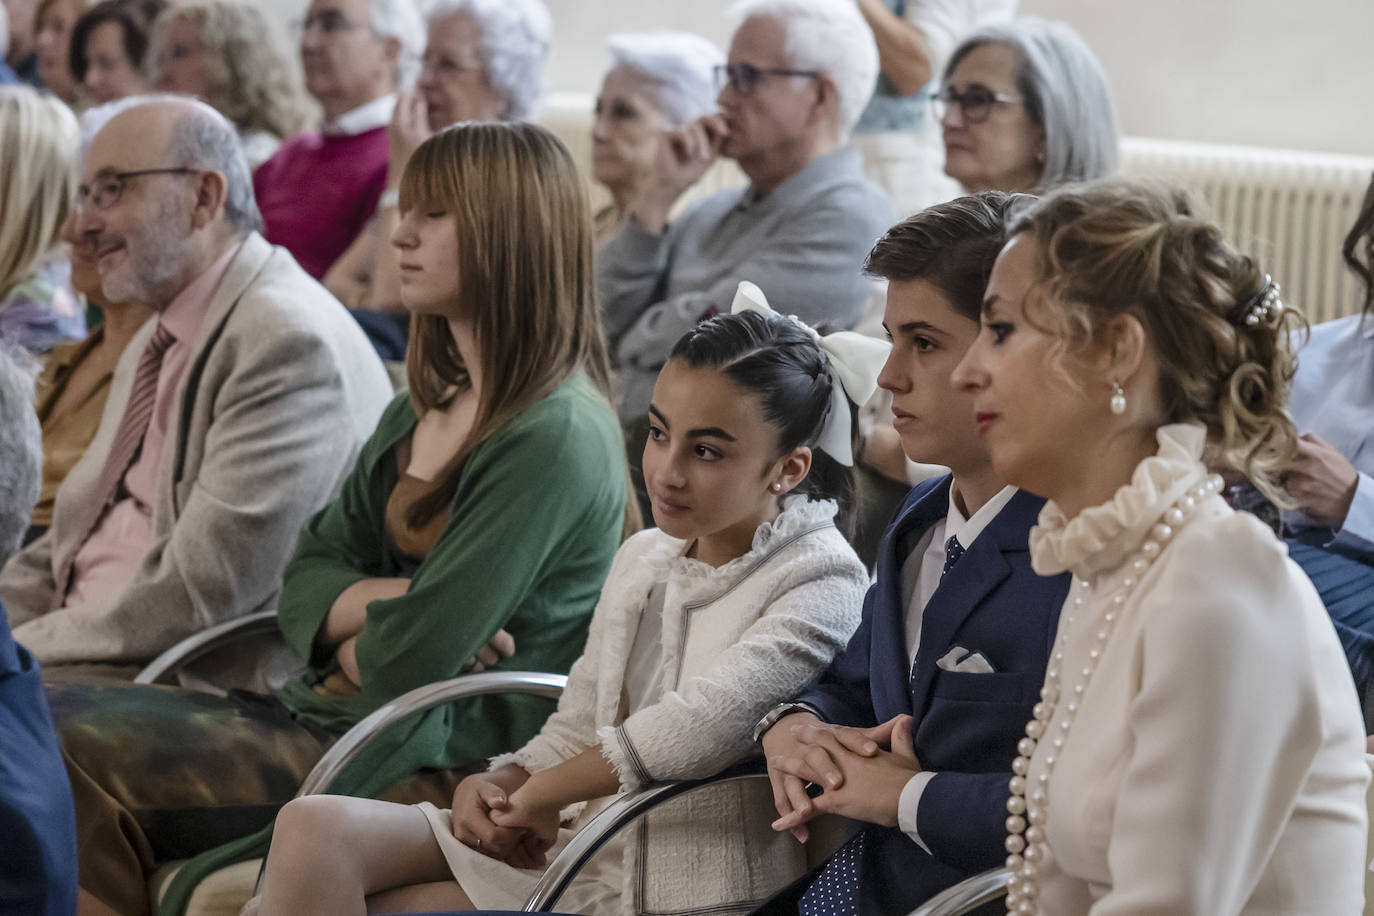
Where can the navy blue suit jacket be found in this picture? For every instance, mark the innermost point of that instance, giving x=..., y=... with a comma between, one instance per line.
x=966, y=725
x=37, y=823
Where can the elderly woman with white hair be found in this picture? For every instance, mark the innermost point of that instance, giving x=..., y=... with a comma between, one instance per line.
x=658, y=84
x=483, y=61
x=1025, y=107
x=799, y=73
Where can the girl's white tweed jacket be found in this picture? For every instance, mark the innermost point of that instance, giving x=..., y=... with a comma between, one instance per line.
x=737, y=640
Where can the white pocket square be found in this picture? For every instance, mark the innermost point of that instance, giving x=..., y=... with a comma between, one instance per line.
x=966, y=662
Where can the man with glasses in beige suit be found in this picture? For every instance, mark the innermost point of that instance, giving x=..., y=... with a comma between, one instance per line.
x=232, y=416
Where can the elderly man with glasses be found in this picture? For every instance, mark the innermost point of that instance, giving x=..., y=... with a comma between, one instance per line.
x=799, y=74
x=320, y=189
x=232, y=415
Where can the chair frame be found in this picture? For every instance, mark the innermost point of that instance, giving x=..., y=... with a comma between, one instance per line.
x=321, y=777
x=967, y=895
x=164, y=668
x=356, y=739
x=619, y=814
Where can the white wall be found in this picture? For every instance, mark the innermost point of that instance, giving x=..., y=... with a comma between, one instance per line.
x=1287, y=73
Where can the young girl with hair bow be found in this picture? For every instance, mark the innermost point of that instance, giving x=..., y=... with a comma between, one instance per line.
x=740, y=596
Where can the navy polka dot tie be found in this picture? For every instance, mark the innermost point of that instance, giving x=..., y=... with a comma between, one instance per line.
x=835, y=892
x=953, y=551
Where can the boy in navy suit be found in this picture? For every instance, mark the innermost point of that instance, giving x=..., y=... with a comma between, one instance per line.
x=912, y=729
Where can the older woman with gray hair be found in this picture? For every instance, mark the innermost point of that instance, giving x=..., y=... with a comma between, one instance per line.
x=658, y=84
x=1025, y=106
x=483, y=61
x=38, y=844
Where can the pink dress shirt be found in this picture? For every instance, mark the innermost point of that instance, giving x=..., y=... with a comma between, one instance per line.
x=106, y=563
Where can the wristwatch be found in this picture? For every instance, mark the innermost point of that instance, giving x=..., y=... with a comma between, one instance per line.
x=771, y=717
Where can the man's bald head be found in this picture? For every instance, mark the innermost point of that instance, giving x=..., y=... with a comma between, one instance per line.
x=166, y=191
x=186, y=133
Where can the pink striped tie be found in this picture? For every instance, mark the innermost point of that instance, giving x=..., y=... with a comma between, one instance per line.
x=128, y=440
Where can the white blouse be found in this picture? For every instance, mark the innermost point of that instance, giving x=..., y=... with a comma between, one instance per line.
x=1216, y=762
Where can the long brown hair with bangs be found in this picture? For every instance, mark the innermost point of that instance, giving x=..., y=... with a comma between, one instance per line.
x=525, y=278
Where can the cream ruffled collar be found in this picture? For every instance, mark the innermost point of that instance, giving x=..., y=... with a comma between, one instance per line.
x=798, y=514
x=1100, y=538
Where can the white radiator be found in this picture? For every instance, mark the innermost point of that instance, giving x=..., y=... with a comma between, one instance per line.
x=1289, y=210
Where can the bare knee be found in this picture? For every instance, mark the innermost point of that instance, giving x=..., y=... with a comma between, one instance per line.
x=303, y=822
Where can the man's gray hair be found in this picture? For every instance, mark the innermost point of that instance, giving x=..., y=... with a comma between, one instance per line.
x=678, y=65
x=829, y=36
x=515, y=39
x=1065, y=91
x=202, y=138
x=21, y=452
x=401, y=20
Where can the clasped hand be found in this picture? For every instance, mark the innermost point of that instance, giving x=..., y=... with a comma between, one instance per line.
x=492, y=815
x=861, y=771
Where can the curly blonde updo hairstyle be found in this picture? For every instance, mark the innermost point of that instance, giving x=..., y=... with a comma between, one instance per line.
x=1114, y=247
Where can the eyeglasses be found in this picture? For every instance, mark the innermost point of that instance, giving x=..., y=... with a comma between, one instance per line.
x=745, y=78
x=107, y=189
x=975, y=102
x=331, y=22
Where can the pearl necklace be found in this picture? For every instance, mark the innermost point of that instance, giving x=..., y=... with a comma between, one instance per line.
x=1026, y=846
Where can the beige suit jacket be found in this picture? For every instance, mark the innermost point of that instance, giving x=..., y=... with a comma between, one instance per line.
x=282, y=390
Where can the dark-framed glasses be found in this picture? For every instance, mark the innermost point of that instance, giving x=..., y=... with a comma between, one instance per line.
x=975, y=102
x=106, y=190
x=745, y=78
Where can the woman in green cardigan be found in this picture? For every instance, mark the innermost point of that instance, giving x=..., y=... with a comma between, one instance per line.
x=485, y=509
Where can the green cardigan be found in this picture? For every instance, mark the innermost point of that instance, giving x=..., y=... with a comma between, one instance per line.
x=532, y=529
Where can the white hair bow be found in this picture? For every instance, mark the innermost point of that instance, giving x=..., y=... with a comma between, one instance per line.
x=854, y=360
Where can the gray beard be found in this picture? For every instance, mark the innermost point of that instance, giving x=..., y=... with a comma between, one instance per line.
x=153, y=273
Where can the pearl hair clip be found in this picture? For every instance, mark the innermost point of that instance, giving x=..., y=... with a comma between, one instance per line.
x=1259, y=308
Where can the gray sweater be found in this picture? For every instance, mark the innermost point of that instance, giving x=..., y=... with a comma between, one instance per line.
x=803, y=244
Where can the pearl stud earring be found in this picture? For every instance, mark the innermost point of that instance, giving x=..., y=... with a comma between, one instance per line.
x=776, y=487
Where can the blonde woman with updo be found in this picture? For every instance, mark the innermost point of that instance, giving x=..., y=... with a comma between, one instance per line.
x=39, y=142
x=224, y=53
x=1198, y=746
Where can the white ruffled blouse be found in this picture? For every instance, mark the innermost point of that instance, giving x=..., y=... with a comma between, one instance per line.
x=1215, y=765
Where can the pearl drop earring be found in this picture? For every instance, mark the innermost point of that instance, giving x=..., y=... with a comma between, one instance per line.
x=1118, y=402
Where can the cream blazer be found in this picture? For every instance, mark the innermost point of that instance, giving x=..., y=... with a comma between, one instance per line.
x=1216, y=763
x=283, y=389
x=736, y=641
